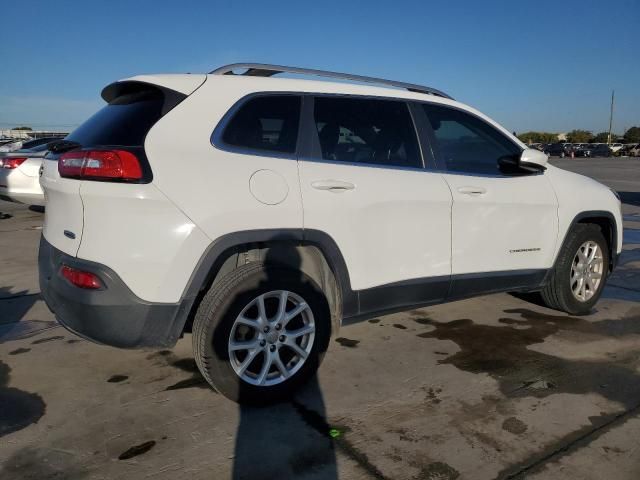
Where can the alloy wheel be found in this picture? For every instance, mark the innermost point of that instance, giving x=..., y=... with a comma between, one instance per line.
x=586, y=271
x=271, y=338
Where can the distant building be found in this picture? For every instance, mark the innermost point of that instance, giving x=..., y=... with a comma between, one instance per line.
x=31, y=134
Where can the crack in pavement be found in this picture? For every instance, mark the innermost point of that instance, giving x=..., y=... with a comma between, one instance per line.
x=319, y=423
x=570, y=443
x=631, y=289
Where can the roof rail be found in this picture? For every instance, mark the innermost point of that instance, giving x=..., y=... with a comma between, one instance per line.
x=266, y=70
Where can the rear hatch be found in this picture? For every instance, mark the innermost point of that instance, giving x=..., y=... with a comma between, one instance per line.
x=117, y=131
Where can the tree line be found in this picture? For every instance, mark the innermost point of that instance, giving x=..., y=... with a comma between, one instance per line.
x=632, y=135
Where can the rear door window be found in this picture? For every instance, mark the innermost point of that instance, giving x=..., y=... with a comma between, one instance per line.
x=366, y=131
x=268, y=123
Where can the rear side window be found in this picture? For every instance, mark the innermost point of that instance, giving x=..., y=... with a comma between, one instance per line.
x=125, y=121
x=268, y=123
x=466, y=143
x=368, y=131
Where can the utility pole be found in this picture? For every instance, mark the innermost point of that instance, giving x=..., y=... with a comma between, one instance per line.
x=610, y=118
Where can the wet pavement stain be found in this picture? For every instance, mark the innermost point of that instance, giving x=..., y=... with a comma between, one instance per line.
x=31, y=463
x=514, y=425
x=74, y=340
x=437, y=471
x=347, y=342
x=194, y=382
x=48, y=339
x=18, y=351
x=432, y=395
x=598, y=426
x=503, y=353
x=400, y=326
x=423, y=320
x=167, y=357
x=137, y=450
x=374, y=320
x=18, y=409
x=117, y=378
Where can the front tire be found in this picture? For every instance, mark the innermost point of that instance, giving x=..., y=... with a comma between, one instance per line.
x=578, y=277
x=260, y=333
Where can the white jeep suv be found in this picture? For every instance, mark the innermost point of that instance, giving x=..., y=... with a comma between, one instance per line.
x=258, y=213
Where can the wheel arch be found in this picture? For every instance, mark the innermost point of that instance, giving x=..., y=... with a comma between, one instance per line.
x=606, y=221
x=311, y=251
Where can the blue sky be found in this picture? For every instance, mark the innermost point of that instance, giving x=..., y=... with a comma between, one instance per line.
x=543, y=65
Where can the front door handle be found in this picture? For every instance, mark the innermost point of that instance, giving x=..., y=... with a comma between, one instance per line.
x=472, y=190
x=335, y=186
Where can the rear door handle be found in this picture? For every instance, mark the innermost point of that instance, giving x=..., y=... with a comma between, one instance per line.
x=472, y=190
x=335, y=186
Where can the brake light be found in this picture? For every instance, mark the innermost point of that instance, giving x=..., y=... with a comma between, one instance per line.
x=80, y=278
x=100, y=165
x=11, y=163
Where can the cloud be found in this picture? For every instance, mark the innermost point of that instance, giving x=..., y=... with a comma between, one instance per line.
x=42, y=113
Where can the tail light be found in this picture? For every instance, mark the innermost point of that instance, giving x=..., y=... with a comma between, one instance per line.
x=100, y=165
x=80, y=278
x=12, y=163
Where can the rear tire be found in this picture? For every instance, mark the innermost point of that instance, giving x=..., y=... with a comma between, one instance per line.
x=564, y=290
x=239, y=330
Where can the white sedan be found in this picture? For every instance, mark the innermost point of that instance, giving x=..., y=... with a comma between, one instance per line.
x=19, y=176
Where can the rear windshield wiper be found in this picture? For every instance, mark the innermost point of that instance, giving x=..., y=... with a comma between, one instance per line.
x=62, y=146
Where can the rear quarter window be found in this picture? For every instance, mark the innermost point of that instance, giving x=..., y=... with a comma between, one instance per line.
x=266, y=123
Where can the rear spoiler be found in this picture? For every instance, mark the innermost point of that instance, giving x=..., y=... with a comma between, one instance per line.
x=181, y=83
x=175, y=88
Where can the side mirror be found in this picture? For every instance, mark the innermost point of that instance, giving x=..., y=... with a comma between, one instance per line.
x=533, y=160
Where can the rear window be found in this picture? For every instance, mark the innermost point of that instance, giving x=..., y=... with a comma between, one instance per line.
x=125, y=121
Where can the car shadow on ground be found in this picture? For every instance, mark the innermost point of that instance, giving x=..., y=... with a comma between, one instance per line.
x=18, y=409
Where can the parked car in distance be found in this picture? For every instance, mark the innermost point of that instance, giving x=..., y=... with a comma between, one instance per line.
x=38, y=142
x=593, y=150
x=19, y=176
x=634, y=151
x=11, y=146
x=298, y=204
x=559, y=150
x=615, y=147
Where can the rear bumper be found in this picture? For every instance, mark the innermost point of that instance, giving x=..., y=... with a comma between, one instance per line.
x=112, y=315
x=16, y=186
